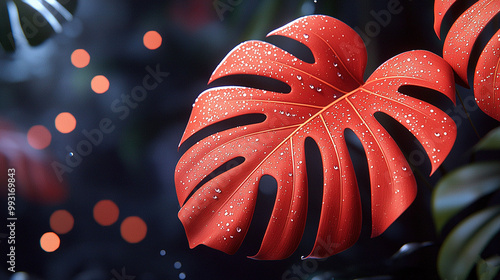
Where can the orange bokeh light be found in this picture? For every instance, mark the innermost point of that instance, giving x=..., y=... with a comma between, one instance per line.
x=50, y=242
x=65, y=122
x=80, y=58
x=61, y=221
x=39, y=137
x=106, y=212
x=133, y=229
x=152, y=40
x=99, y=84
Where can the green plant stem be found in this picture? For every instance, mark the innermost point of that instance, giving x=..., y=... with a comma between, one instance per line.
x=467, y=113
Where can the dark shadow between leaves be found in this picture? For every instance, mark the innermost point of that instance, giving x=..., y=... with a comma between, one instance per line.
x=221, y=169
x=360, y=164
x=294, y=47
x=242, y=120
x=315, y=185
x=264, y=205
x=453, y=13
x=428, y=95
x=407, y=143
x=253, y=81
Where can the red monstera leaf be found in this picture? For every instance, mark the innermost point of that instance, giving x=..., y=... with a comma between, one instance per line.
x=458, y=46
x=326, y=98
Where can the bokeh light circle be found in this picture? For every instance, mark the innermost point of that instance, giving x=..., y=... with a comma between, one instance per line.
x=80, y=58
x=50, y=242
x=99, y=84
x=106, y=212
x=152, y=40
x=177, y=265
x=39, y=137
x=61, y=221
x=133, y=229
x=65, y=122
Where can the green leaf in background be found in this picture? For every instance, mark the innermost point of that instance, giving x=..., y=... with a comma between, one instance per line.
x=491, y=141
x=32, y=21
x=464, y=186
x=6, y=39
x=462, y=248
x=488, y=269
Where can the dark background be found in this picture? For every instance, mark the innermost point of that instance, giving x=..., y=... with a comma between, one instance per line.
x=134, y=165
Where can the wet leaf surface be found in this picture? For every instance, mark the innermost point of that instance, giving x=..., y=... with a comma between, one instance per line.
x=327, y=98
